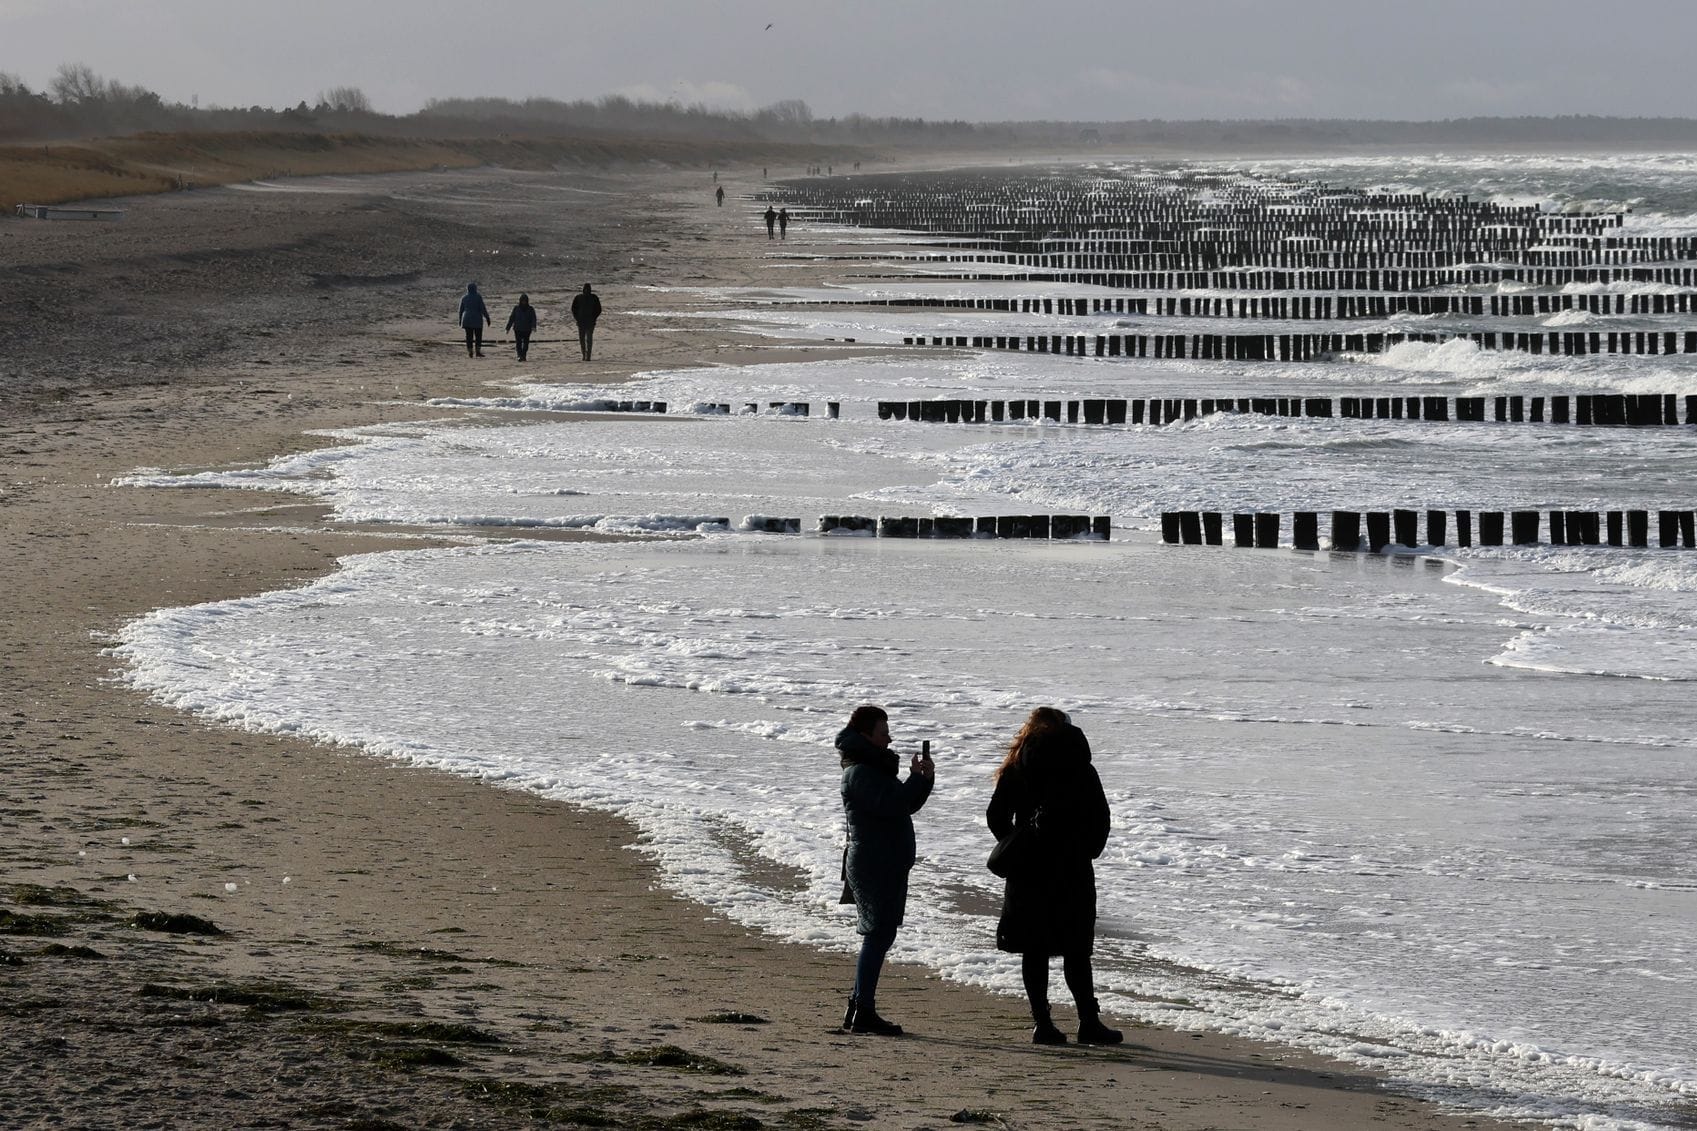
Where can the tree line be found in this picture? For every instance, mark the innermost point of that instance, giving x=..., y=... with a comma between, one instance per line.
x=80, y=103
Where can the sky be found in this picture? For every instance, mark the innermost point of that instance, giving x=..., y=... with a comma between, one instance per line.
x=979, y=60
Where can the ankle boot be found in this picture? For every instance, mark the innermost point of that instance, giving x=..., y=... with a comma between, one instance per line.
x=1045, y=1033
x=848, y=1014
x=866, y=1020
x=1091, y=1031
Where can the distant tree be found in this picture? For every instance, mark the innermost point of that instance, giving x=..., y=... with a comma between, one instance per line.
x=344, y=100
x=792, y=110
x=76, y=84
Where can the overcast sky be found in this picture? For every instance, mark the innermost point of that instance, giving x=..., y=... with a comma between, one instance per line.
x=983, y=60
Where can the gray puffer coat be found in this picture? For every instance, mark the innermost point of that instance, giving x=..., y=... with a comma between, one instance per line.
x=879, y=807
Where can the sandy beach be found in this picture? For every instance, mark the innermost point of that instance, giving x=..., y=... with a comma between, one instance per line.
x=396, y=948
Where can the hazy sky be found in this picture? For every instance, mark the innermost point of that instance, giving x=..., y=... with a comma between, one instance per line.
x=983, y=60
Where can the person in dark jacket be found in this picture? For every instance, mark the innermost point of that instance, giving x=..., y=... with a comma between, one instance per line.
x=473, y=317
x=879, y=807
x=771, y=220
x=1047, y=788
x=522, y=322
x=586, y=308
x=784, y=223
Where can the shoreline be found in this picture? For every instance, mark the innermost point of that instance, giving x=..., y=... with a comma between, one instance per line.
x=414, y=895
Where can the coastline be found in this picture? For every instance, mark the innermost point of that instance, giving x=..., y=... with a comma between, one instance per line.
x=538, y=929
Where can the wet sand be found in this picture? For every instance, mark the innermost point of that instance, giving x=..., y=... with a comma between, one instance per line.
x=403, y=948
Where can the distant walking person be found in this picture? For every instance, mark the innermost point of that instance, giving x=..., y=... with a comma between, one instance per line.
x=586, y=308
x=1047, y=790
x=522, y=322
x=473, y=317
x=879, y=807
x=771, y=220
x=719, y=195
x=783, y=223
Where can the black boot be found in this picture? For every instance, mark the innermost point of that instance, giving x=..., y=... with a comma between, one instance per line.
x=1091, y=1031
x=1045, y=1033
x=848, y=1014
x=866, y=1020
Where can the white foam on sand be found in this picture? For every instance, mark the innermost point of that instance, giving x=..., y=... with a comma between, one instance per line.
x=1369, y=846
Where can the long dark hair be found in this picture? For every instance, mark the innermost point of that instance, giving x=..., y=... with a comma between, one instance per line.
x=1041, y=721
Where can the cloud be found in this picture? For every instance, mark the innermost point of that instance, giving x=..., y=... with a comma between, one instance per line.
x=714, y=94
x=1491, y=96
x=1240, y=94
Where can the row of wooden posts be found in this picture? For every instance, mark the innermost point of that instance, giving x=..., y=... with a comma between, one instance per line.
x=1606, y=409
x=1370, y=240
x=1334, y=281
x=1228, y=232
x=1199, y=206
x=749, y=408
x=1353, y=259
x=1600, y=409
x=781, y=408
x=1317, y=347
x=1022, y=526
x=1302, y=308
x=1205, y=206
x=1673, y=528
x=622, y=406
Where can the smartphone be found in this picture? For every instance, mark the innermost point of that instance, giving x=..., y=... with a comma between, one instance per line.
x=925, y=748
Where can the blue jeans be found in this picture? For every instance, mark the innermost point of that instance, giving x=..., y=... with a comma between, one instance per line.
x=873, y=948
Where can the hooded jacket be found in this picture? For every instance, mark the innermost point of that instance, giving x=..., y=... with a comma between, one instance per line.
x=522, y=320
x=472, y=311
x=879, y=807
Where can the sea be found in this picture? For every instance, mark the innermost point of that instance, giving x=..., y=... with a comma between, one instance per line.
x=1428, y=810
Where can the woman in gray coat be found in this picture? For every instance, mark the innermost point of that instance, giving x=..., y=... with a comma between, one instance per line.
x=879, y=807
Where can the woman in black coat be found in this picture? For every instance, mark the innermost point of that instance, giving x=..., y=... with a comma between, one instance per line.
x=1047, y=789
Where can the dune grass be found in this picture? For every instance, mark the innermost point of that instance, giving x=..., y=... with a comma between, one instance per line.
x=61, y=172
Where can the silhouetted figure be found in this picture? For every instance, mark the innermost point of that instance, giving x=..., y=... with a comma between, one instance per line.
x=771, y=220
x=473, y=317
x=783, y=222
x=586, y=308
x=522, y=322
x=879, y=807
x=719, y=195
x=1047, y=789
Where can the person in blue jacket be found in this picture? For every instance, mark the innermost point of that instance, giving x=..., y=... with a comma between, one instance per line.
x=522, y=322
x=879, y=807
x=473, y=317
